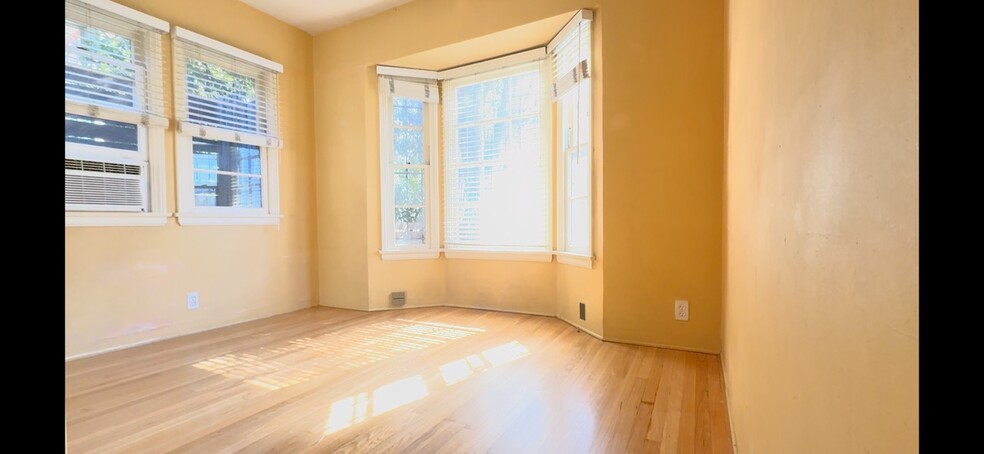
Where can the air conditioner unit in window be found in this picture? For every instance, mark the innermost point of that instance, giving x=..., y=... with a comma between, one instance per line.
x=105, y=185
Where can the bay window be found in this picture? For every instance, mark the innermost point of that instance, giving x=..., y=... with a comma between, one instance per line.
x=498, y=191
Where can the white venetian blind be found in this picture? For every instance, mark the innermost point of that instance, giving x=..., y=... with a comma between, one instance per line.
x=422, y=90
x=114, y=57
x=219, y=86
x=571, y=56
x=497, y=161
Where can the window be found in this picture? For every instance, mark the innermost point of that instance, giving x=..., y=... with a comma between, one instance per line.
x=228, y=136
x=408, y=168
x=114, y=116
x=497, y=163
x=498, y=190
x=571, y=58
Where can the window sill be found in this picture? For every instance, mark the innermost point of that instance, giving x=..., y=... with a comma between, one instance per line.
x=106, y=219
x=517, y=256
x=227, y=219
x=579, y=260
x=410, y=254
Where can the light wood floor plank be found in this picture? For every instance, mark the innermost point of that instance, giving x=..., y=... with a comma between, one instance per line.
x=412, y=381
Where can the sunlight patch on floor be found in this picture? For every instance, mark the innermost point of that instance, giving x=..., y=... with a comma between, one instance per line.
x=335, y=352
x=352, y=410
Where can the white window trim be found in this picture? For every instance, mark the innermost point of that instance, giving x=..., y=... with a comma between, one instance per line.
x=565, y=256
x=546, y=117
x=130, y=13
x=151, y=135
x=190, y=214
x=150, y=132
x=391, y=251
x=202, y=40
x=575, y=258
x=187, y=212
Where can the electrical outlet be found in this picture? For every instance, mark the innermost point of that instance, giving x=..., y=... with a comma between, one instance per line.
x=581, y=311
x=681, y=310
x=192, y=301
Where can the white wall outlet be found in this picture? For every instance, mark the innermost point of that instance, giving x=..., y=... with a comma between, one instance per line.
x=192, y=301
x=681, y=310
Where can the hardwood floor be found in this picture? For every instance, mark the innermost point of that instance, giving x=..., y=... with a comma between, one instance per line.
x=412, y=381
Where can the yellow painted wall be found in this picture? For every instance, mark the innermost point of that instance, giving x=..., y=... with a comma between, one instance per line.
x=664, y=143
x=821, y=323
x=663, y=165
x=125, y=285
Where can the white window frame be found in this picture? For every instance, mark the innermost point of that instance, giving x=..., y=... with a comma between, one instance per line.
x=564, y=255
x=191, y=214
x=582, y=259
x=188, y=212
x=515, y=66
x=150, y=137
x=431, y=247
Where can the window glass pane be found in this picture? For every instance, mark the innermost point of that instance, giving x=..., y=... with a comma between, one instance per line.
x=524, y=94
x=468, y=184
x=410, y=224
x=99, y=66
x=408, y=112
x=408, y=146
x=577, y=173
x=497, y=172
x=467, y=103
x=494, y=99
x=525, y=136
x=220, y=190
x=226, y=156
x=100, y=133
x=567, y=109
x=494, y=137
x=408, y=186
x=218, y=165
x=468, y=145
x=578, y=222
x=222, y=98
x=584, y=111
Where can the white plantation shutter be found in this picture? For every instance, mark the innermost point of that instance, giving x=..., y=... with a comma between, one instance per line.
x=223, y=92
x=497, y=161
x=570, y=54
x=113, y=58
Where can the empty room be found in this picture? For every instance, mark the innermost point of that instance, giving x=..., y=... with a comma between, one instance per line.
x=492, y=226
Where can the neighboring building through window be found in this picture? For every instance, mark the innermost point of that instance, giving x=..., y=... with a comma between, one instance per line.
x=114, y=116
x=228, y=134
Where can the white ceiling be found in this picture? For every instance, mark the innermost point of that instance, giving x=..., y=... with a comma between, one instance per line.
x=316, y=16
